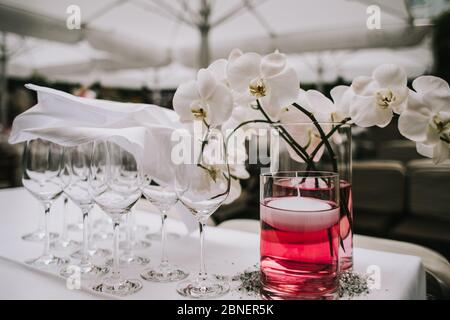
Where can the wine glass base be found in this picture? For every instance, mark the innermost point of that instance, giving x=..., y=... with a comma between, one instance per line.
x=203, y=288
x=86, y=270
x=65, y=245
x=95, y=253
x=118, y=287
x=164, y=273
x=136, y=245
x=130, y=261
x=47, y=261
x=39, y=235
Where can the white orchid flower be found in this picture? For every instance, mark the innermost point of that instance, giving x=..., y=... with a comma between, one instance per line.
x=324, y=109
x=219, y=70
x=205, y=99
x=267, y=78
x=439, y=152
x=342, y=97
x=219, y=67
x=378, y=97
x=426, y=119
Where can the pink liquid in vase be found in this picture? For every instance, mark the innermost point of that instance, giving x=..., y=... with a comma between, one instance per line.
x=299, y=248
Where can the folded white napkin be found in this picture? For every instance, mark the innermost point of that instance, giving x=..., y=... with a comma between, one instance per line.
x=142, y=129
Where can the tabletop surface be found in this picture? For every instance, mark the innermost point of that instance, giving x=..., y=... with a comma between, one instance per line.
x=228, y=252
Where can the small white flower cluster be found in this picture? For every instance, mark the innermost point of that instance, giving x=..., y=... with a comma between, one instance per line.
x=247, y=87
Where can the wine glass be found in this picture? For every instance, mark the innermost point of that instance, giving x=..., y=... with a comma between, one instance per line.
x=78, y=162
x=164, y=198
x=42, y=165
x=64, y=242
x=115, y=184
x=202, y=185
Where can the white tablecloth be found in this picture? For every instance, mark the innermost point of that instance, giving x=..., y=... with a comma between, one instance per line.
x=228, y=252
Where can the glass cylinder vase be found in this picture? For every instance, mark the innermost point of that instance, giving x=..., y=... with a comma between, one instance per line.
x=316, y=147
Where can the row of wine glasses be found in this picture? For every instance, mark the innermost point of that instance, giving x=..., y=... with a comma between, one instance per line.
x=105, y=174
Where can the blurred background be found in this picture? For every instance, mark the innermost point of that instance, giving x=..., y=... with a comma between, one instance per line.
x=141, y=50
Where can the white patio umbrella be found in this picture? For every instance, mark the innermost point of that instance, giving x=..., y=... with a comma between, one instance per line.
x=328, y=66
x=195, y=31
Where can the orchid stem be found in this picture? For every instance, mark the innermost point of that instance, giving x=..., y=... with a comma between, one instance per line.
x=301, y=152
x=328, y=136
x=322, y=135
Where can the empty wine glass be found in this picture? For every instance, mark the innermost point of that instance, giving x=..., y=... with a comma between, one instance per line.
x=202, y=185
x=78, y=162
x=64, y=242
x=164, y=198
x=115, y=184
x=42, y=165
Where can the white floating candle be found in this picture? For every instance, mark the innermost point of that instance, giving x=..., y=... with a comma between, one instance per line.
x=299, y=214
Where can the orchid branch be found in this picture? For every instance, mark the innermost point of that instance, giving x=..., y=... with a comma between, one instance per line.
x=301, y=152
x=328, y=136
x=322, y=134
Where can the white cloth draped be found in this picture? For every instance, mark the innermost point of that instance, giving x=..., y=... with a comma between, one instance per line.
x=144, y=130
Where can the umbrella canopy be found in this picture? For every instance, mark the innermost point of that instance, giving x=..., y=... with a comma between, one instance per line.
x=156, y=31
x=328, y=66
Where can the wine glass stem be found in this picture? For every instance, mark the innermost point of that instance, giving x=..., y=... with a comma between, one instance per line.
x=85, y=256
x=202, y=273
x=64, y=235
x=164, y=259
x=115, y=271
x=128, y=241
x=47, y=235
